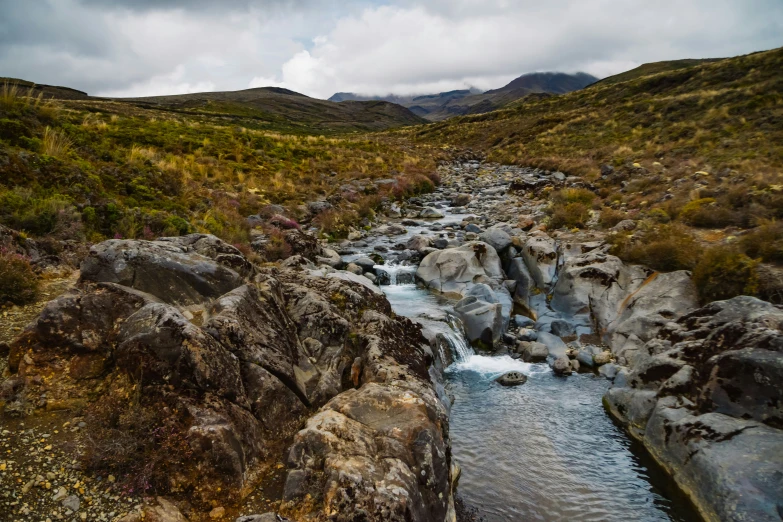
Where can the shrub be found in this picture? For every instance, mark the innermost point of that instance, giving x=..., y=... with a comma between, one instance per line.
x=659, y=215
x=570, y=215
x=277, y=248
x=665, y=248
x=143, y=443
x=336, y=223
x=570, y=207
x=573, y=195
x=18, y=282
x=610, y=217
x=765, y=243
x=724, y=272
x=707, y=213
x=20, y=209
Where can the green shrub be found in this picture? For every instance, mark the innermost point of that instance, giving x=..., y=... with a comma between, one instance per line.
x=570, y=207
x=765, y=243
x=659, y=215
x=610, y=217
x=724, y=272
x=665, y=248
x=18, y=282
x=571, y=215
x=707, y=213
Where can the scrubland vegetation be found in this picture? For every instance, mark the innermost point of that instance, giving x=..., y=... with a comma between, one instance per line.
x=692, y=151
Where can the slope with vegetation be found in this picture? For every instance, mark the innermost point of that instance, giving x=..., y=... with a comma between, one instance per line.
x=87, y=170
x=693, y=155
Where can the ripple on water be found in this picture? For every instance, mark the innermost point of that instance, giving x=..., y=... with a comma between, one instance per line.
x=545, y=450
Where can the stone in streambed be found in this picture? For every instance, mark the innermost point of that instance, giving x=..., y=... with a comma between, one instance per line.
x=483, y=321
x=511, y=379
x=562, y=366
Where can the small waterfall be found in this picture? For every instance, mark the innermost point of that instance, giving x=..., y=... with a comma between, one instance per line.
x=456, y=339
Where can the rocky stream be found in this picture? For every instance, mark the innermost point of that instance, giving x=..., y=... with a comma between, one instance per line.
x=455, y=360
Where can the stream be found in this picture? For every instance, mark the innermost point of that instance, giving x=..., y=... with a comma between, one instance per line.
x=545, y=450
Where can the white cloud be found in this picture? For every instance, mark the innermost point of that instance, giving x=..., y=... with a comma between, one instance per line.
x=439, y=45
x=112, y=47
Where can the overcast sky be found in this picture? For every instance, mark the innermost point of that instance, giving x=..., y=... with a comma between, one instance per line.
x=318, y=47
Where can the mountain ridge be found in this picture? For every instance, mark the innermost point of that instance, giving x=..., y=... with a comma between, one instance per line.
x=443, y=105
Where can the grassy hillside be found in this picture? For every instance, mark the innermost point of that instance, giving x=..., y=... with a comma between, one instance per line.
x=284, y=108
x=694, y=156
x=721, y=115
x=270, y=107
x=93, y=169
x=655, y=68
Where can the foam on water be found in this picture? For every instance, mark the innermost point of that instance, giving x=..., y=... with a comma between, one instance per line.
x=492, y=366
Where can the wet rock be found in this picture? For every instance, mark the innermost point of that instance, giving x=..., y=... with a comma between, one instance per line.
x=608, y=370
x=540, y=254
x=483, y=321
x=533, y=351
x=455, y=270
x=562, y=328
x=555, y=345
x=562, y=366
x=497, y=238
x=474, y=228
x=511, y=379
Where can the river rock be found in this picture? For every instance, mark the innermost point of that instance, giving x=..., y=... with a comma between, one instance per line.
x=483, y=321
x=702, y=396
x=518, y=271
x=243, y=366
x=430, y=213
x=511, y=379
x=455, y=270
x=562, y=366
x=555, y=345
x=496, y=237
x=418, y=242
x=540, y=254
x=533, y=351
x=354, y=268
x=330, y=258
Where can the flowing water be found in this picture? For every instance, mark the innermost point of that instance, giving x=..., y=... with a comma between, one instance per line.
x=545, y=450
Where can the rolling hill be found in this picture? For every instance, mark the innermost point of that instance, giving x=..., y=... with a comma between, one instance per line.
x=278, y=108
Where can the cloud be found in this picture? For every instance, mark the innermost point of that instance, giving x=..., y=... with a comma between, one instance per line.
x=416, y=48
x=318, y=47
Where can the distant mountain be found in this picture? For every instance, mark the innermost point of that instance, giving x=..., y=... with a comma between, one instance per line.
x=280, y=107
x=436, y=107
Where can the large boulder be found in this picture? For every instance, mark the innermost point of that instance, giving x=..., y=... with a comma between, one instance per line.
x=232, y=361
x=173, y=271
x=483, y=321
x=704, y=397
x=455, y=270
x=518, y=272
x=540, y=254
x=497, y=238
x=374, y=453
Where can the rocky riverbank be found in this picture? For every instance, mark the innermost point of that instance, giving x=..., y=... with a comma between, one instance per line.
x=698, y=386
x=185, y=353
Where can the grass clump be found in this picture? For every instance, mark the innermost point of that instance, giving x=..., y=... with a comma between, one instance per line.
x=570, y=207
x=764, y=243
x=18, y=283
x=141, y=442
x=724, y=272
x=664, y=248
